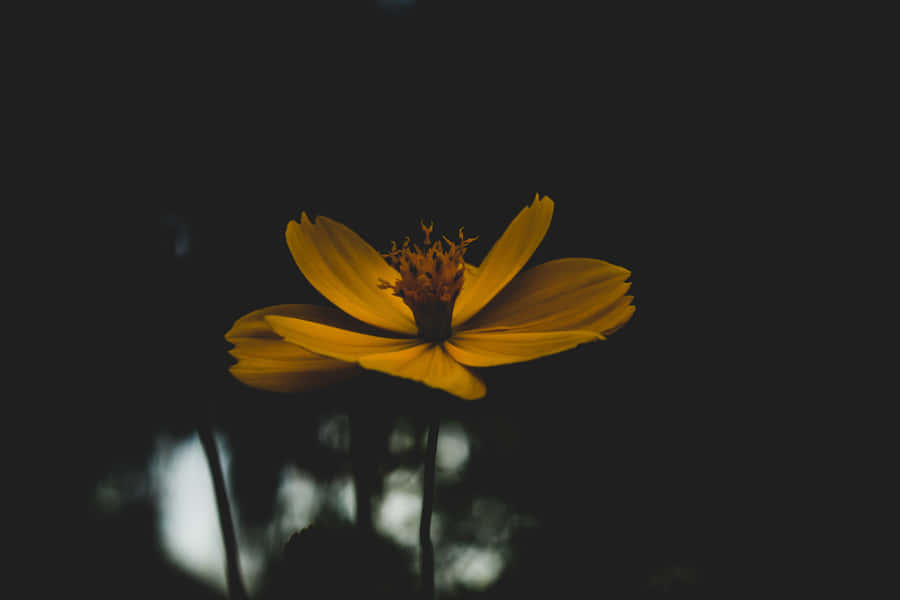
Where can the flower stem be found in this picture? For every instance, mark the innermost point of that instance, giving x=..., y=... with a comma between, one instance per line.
x=361, y=461
x=427, y=549
x=233, y=570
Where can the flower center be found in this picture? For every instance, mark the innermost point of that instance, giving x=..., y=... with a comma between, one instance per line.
x=430, y=281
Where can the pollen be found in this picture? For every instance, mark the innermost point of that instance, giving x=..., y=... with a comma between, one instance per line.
x=430, y=280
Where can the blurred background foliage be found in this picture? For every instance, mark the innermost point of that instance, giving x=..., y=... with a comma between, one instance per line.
x=648, y=464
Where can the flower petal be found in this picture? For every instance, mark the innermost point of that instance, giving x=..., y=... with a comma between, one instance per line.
x=345, y=269
x=335, y=342
x=253, y=324
x=490, y=348
x=564, y=294
x=506, y=258
x=430, y=364
x=280, y=366
x=267, y=362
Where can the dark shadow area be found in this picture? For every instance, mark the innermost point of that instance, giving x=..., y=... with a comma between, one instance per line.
x=651, y=464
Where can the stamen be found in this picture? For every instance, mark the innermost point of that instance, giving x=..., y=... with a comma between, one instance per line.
x=430, y=280
x=427, y=231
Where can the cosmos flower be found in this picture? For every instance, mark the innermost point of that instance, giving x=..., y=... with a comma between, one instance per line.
x=424, y=313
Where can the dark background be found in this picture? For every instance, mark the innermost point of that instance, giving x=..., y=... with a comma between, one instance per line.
x=668, y=141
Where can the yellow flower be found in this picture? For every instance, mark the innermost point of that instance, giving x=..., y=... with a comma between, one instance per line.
x=424, y=313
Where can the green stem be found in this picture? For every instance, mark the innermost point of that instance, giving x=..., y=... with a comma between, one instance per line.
x=427, y=548
x=233, y=569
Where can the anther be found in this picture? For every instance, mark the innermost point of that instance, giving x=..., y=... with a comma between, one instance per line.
x=427, y=231
x=430, y=279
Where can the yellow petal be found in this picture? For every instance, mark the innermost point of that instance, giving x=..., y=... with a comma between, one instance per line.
x=564, y=294
x=615, y=317
x=490, y=348
x=335, y=342
x=506, y=258
x=279, y=366
x=430, y=364
x=253, y=324
x=346, y=270
x=267, y=362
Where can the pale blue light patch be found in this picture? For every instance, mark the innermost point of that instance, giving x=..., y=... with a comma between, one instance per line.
x=474, y=567
x=181, y=232
x=452, y=450
x=342, y=497
x=297, y=503
x=334, y=432
x=117, y=490
x=402, y=438
x=188, y=526
x=398, y=514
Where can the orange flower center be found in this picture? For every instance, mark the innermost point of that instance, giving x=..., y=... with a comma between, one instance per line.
x=430, y=281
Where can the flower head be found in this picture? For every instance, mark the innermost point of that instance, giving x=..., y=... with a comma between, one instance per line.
x=430, y=281
x=423, y=313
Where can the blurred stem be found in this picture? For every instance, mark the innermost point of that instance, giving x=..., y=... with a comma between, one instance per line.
x=233, y=569
x=361, y=460
x=427, y=548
